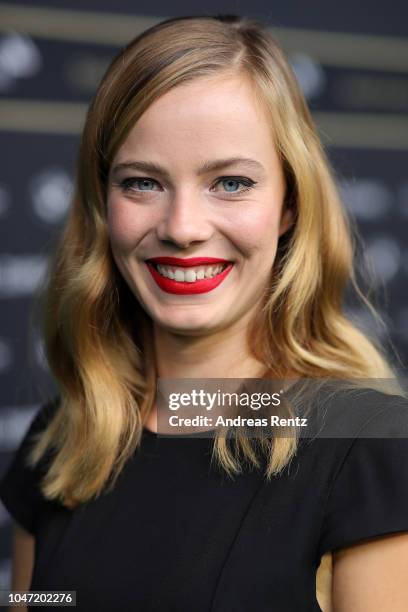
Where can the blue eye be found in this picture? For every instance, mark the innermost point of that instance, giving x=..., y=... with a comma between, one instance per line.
x=228, y=182
x=231, y=181
x=141, y=184
x=127, y=183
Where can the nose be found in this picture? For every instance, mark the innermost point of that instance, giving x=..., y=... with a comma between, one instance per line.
x=185, y=220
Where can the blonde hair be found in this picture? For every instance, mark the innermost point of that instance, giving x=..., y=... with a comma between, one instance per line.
x=98, y=338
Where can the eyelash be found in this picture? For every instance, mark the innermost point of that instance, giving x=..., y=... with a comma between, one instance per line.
x=125, y=184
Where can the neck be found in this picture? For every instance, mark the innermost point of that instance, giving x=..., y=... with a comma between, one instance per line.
x=222, y=354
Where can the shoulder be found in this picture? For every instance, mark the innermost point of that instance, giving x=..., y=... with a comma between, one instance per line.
x=42, y=417
x=20, y=489
x=338, y=411
x=367, y=494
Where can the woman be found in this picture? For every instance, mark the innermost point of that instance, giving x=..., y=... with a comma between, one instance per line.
x=199, y=144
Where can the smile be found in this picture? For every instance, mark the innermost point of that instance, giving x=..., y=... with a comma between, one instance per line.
x=190, y=275
x=191, y=280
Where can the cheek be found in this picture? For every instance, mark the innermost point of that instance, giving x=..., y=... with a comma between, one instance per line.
x=125, y=223
x=257, y=230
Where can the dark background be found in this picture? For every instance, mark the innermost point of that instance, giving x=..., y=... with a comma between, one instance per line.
x=351, y=59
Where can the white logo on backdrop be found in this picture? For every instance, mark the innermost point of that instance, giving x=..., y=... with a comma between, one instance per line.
x=51, y=193
x=310, y=75
x=384, y=257
x=366, y=199
x=21, y=275
x=19, y=58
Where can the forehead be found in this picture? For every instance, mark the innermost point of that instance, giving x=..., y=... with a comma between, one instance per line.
x=209, y=116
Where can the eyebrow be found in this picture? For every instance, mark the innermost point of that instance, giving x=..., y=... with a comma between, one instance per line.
x=206, y=167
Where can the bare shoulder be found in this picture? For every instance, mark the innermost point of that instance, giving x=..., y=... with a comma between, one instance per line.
x=372, y=575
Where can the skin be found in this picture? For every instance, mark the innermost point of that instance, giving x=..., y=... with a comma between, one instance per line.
x=186, y=214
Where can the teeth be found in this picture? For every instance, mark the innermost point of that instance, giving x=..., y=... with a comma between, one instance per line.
x=179, y=275
x=190, y=275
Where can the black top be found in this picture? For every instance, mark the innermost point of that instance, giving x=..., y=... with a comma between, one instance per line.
x=178, y=535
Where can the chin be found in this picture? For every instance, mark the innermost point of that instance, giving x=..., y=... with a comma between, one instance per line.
x=187, y=326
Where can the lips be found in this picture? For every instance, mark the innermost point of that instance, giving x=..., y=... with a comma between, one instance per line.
x=185, y=288
x=187, y=262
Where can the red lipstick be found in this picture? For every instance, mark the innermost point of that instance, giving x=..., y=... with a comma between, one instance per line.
x=187, y=262
x=184, y=288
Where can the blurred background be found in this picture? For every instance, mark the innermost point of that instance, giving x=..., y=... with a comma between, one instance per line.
x=351, y=60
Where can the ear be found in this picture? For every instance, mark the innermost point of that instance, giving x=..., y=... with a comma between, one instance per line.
x=286, y=220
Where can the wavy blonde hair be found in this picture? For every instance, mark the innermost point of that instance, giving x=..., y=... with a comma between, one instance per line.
x=98, y=340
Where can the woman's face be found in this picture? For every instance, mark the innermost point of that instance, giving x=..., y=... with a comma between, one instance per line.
x=188, y=208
